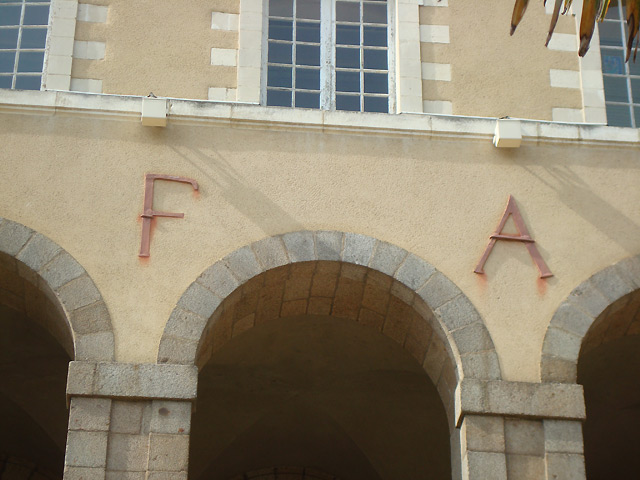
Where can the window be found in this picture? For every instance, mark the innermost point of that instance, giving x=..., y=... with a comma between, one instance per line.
x=23, y=34
x=328, y=54
x=621, y=80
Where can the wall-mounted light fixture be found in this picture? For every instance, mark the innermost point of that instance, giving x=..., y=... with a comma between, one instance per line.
x=154, y=111
x=508, y=133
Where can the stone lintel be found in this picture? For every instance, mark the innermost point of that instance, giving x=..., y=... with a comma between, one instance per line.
x=132, y=381
x=519, y=399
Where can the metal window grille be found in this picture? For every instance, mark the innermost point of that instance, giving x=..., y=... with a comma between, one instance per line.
x=23, y=35
x=329, y=54
x=621, y=80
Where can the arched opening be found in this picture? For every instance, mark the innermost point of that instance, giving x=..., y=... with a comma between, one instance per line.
x=323, y=369
x=609, y=370
x=36, y=346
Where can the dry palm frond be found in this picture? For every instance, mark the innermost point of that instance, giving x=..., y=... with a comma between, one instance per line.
x=633, y=18
x=592, y=11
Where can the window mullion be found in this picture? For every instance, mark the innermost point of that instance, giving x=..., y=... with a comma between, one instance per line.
x=327, y=53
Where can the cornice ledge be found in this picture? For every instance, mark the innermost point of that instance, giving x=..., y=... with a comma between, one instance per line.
x=182, y=111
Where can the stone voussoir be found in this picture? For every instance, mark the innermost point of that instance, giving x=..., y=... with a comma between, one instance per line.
x=218, y=279
x=438, y=290
x=387, y=258
x=328, y=245
x=38, y=251
x=611, y=284
x=200, y=300
x=414, y=272
x=60, y=270
x=568, y=317
x=270, y=252
x=13, y=236
x=300, y=246
x=243, y=264
x=358, y=249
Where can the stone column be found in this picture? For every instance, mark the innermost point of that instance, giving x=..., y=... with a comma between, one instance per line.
x=129, y=422
x=520, y=431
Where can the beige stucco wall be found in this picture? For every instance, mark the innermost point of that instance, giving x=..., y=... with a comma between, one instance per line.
x=156, y=47
x=493, y=74
x=79, y=180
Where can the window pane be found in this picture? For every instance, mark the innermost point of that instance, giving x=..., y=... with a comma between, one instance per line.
x=615, y=89
x=375, y=13
x=612, y=61
x=348, y=34
x=281, y=8
x=635, y=90
x=279, y=76
x=618, y=115
x=348, y=81
x=33, y=38
x=36, y=15
x=347, y=12
x=634, y=67
x=7, y=60
x=280, y=52
x=5, y=82
x=279, y=98
x=348, y=57
x=375, y=59
x=10, y=14
x=307, y=100
x=613, y=11
x=376, y=104
x=348, y=102
x=30, y=61
x=308, y=55
x=637, y=116
x=375, y=36
x=307, y=78
x=308, y=9
x=8, y=38
x=610, y=34
x=27, y=83
x=375, y=83
x=308, y=32
x=280, y=29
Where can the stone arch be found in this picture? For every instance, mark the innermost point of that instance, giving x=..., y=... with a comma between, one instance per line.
x=460, y=333
x=56, y=291
x=589, y=305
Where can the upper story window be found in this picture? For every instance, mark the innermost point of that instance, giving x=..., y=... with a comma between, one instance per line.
x=328, y=54
x=621, y=80
x=23, y=34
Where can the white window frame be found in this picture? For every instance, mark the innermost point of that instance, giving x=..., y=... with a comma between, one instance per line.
x=627, y=76
x=328, y=54
x=21, y=27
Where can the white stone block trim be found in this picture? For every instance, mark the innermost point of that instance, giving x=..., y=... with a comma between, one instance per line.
x=222, y=94
x=86, y=85
x=571, y=115
x=435, y=34
x=225, y=21
x=435, y=3
x=92, y=13
x=407, y=57
x=56, y=73
x=437, y=71
x=564, y=78
x=564, y=42
x=438, y=106
x=250, y=50
x=89, y=50
x=591, y=82
x=227, y=57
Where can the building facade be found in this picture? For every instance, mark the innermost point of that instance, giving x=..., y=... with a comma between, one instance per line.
x=316, y=239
